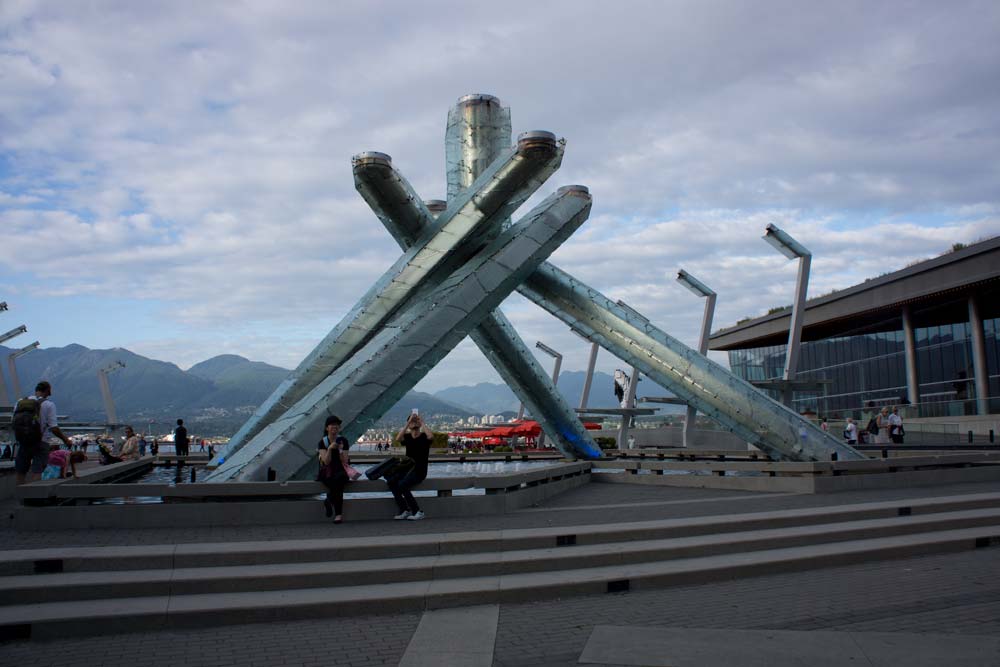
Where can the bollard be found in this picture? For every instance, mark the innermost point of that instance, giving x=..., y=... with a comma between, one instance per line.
x=833, y=456
x=272, y=474
x=177, y=474
x=970, y=437
x=991, y=436
x=193, y=476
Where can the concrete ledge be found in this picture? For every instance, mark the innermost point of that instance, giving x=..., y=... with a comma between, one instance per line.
x=391, y=565
x=807, y=477
x=78, y=559
x=260, y=503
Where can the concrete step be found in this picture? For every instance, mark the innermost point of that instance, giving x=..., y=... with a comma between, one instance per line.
x=151, y=557
x=298, y=575
x=91, y=617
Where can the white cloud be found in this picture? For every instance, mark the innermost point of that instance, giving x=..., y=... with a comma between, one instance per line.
x=198, y=158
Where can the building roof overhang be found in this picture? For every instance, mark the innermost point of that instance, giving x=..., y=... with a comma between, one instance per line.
x=937, y=291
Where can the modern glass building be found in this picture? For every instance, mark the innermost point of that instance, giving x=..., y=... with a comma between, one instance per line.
x=927, y=335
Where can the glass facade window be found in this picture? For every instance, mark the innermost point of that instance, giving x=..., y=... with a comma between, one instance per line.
x=872, y=367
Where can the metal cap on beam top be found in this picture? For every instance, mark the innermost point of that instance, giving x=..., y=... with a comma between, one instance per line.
x=536, y=140
x=436, y=205
x=371, y=157
x=574, y=190
x=478, y=98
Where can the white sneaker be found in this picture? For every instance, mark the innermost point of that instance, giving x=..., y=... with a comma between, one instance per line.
x=415, y=517
x=405, y=514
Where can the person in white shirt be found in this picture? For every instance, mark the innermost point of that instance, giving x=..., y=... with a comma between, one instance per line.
x=896, y=426
x=34, y=457
x=851, y=432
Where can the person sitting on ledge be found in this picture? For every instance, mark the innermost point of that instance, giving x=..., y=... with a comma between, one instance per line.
x=416, y=437
x=333, y=474
x=130, y=450
x=107, y=458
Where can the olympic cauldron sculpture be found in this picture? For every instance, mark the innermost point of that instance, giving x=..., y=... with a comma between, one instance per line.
x=461, y=259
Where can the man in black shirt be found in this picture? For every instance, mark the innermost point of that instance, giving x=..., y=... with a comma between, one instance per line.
x=417, y=438
x=181, y=439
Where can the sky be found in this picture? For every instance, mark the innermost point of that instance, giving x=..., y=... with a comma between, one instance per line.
x=175, y=178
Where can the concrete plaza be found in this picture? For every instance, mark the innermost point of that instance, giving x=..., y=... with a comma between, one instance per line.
x=956, y=594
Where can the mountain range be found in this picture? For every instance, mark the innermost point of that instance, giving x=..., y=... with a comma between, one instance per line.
x=218, y=394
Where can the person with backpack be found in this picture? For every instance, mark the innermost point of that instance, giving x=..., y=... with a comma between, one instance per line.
x=35, y=428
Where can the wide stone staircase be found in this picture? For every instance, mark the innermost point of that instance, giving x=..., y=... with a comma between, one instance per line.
x=57, y=592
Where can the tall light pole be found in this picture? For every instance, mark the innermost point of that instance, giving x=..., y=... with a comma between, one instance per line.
x=12, y=366
x=102, y=378
x=792, y=249
x=555, y=378
x=4, y=398
x=588, y=380
x=699, y=289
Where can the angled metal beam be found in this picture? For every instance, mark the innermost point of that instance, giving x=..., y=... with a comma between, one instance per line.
x=404, y=351
x=713, y=390
x=15, y=382
x=466, y=225
x=386, y=190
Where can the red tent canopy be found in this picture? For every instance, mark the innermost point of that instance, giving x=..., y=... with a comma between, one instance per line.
x=529, y=428
x=592, y=426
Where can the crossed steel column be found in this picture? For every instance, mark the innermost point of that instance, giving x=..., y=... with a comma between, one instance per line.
x=401, y=353
x=439, y=250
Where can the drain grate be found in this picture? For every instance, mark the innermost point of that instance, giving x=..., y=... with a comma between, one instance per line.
x=618, y=586
x=49, y=566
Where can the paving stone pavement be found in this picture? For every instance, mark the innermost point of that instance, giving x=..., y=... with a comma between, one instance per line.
x=954, y=593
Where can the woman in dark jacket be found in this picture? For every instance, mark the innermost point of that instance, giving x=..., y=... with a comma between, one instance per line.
x=332, y=474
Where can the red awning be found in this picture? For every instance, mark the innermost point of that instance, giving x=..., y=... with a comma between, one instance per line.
x=529, y=428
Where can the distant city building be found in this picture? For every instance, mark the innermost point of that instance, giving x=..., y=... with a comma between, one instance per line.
x=925, y=335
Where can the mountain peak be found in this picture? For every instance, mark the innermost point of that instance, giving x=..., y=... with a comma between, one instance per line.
x=212, y=368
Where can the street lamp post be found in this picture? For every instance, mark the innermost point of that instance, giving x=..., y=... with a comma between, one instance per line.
x=588, y=380
x=699, y=289
x=792, y=249
x=109, y=403
x=12, y=366
x=4, y=398
x=555, y=379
